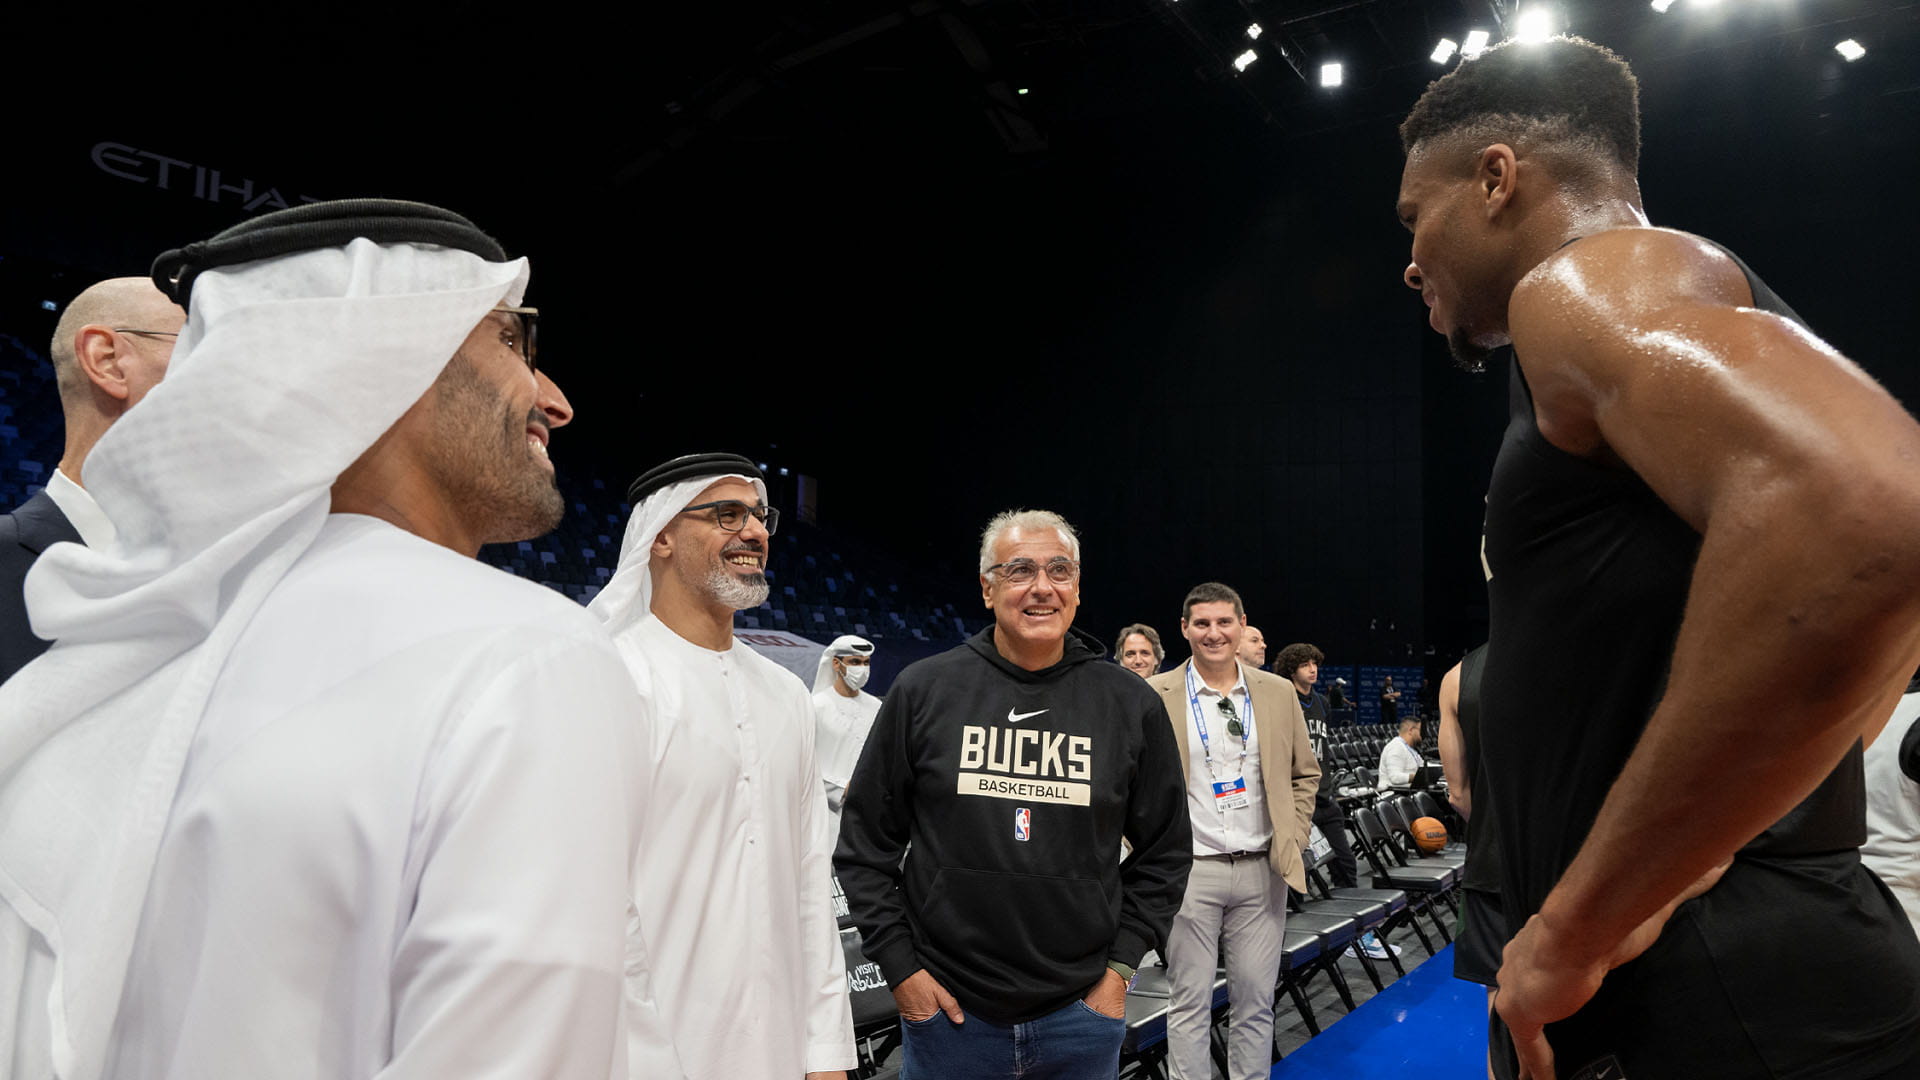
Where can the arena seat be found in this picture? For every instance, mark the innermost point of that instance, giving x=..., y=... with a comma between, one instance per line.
x=1376, y=911
x=1398, y=813
x=1425, y=886
x=876, y=1020
x=1335, y=934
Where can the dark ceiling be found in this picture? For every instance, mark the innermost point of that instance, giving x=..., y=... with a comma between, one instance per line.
x=841, y=235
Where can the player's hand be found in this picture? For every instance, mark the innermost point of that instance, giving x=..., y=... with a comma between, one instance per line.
x=1109, y=996
x=920, y=995
x=826, y=1076
x=1541, y=980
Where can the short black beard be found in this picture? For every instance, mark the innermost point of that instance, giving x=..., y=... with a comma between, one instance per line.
x=1467, y=356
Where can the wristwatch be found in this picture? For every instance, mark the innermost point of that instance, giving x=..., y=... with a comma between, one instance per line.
x=1123, y=971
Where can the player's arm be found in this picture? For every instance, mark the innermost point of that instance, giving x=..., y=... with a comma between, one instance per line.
x=1453, y=744
x=1799, y=473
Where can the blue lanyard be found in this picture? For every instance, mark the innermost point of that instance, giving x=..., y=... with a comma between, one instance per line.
x=1200, y=719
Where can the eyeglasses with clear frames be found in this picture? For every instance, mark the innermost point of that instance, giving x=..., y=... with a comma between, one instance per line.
x=1060, y=570
x=732, y=514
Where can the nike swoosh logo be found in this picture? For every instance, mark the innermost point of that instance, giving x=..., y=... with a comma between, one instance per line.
x=1014, y=717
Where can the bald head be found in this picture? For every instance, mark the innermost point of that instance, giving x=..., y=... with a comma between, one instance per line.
x=127, y=301
x=101, y=365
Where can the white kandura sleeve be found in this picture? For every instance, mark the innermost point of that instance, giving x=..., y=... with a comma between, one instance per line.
x=649, y=1038
x=510, y=962
x=829, y=1019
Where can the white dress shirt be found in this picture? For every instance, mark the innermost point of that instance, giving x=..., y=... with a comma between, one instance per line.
x=1217, y=831
x=1398, y=763
x=399, y=847
x=85, y=515
x=734, y=887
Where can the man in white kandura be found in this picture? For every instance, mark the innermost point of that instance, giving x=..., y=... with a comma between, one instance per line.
x=843, y=713
x=302, y=790
x=737, y=896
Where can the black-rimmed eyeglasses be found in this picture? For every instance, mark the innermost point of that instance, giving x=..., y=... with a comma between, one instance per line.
x=146, y=333
x=1060, y=570
x=732, y=514
x=526, y=335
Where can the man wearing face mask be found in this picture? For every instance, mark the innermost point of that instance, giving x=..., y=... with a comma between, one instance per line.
x=843, y=713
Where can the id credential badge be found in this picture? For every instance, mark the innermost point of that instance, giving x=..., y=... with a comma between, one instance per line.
x=1230, y=794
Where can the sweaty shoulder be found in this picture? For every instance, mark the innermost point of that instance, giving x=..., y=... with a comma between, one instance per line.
x=1601, y=309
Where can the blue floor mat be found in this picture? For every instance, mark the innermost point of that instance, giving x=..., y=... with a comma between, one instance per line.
x=1425, y=1024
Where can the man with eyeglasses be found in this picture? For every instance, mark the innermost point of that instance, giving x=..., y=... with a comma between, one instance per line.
x=302, y=788
x=843, y=713
x=1006, y=772
x=110, y=347
x=736, y=904
x=1251, y=778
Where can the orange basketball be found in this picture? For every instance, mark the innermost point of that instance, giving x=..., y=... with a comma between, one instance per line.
x=1429, y=835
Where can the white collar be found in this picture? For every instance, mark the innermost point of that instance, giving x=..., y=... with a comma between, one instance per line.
x=1240, y=679
x=91, y=522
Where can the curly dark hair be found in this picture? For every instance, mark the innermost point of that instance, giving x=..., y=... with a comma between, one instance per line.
x=1293, y=656
x=1563, y=89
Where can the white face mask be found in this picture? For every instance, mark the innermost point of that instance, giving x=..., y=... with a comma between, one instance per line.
x=855, y=677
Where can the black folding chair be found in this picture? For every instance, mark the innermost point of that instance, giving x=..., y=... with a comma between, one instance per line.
x=1399, y=813
x=1425, y=886
x=1372, y=911
x=876, y=1018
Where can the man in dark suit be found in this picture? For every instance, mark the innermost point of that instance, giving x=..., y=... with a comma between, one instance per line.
x=1251, y=779
x=111, y=346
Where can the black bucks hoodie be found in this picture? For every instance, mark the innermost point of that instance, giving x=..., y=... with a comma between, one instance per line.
x=1007, y=792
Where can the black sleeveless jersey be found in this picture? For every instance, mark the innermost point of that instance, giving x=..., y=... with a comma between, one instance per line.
x=1589, y=576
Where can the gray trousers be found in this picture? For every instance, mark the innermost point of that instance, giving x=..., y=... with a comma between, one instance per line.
x=1241, y=905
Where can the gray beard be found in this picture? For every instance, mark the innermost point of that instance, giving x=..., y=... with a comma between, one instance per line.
x=736, y=592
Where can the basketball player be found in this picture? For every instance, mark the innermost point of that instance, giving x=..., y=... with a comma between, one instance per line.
x=1699, y=530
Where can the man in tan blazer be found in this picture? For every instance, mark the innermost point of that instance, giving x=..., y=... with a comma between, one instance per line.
x=1251, y=778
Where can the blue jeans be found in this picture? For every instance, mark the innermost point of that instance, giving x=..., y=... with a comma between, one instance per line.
x=1073, y=1043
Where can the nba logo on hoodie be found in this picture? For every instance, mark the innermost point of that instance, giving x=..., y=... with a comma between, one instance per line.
x=1022, y=822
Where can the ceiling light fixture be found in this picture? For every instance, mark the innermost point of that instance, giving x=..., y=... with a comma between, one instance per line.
x=1534, y=25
